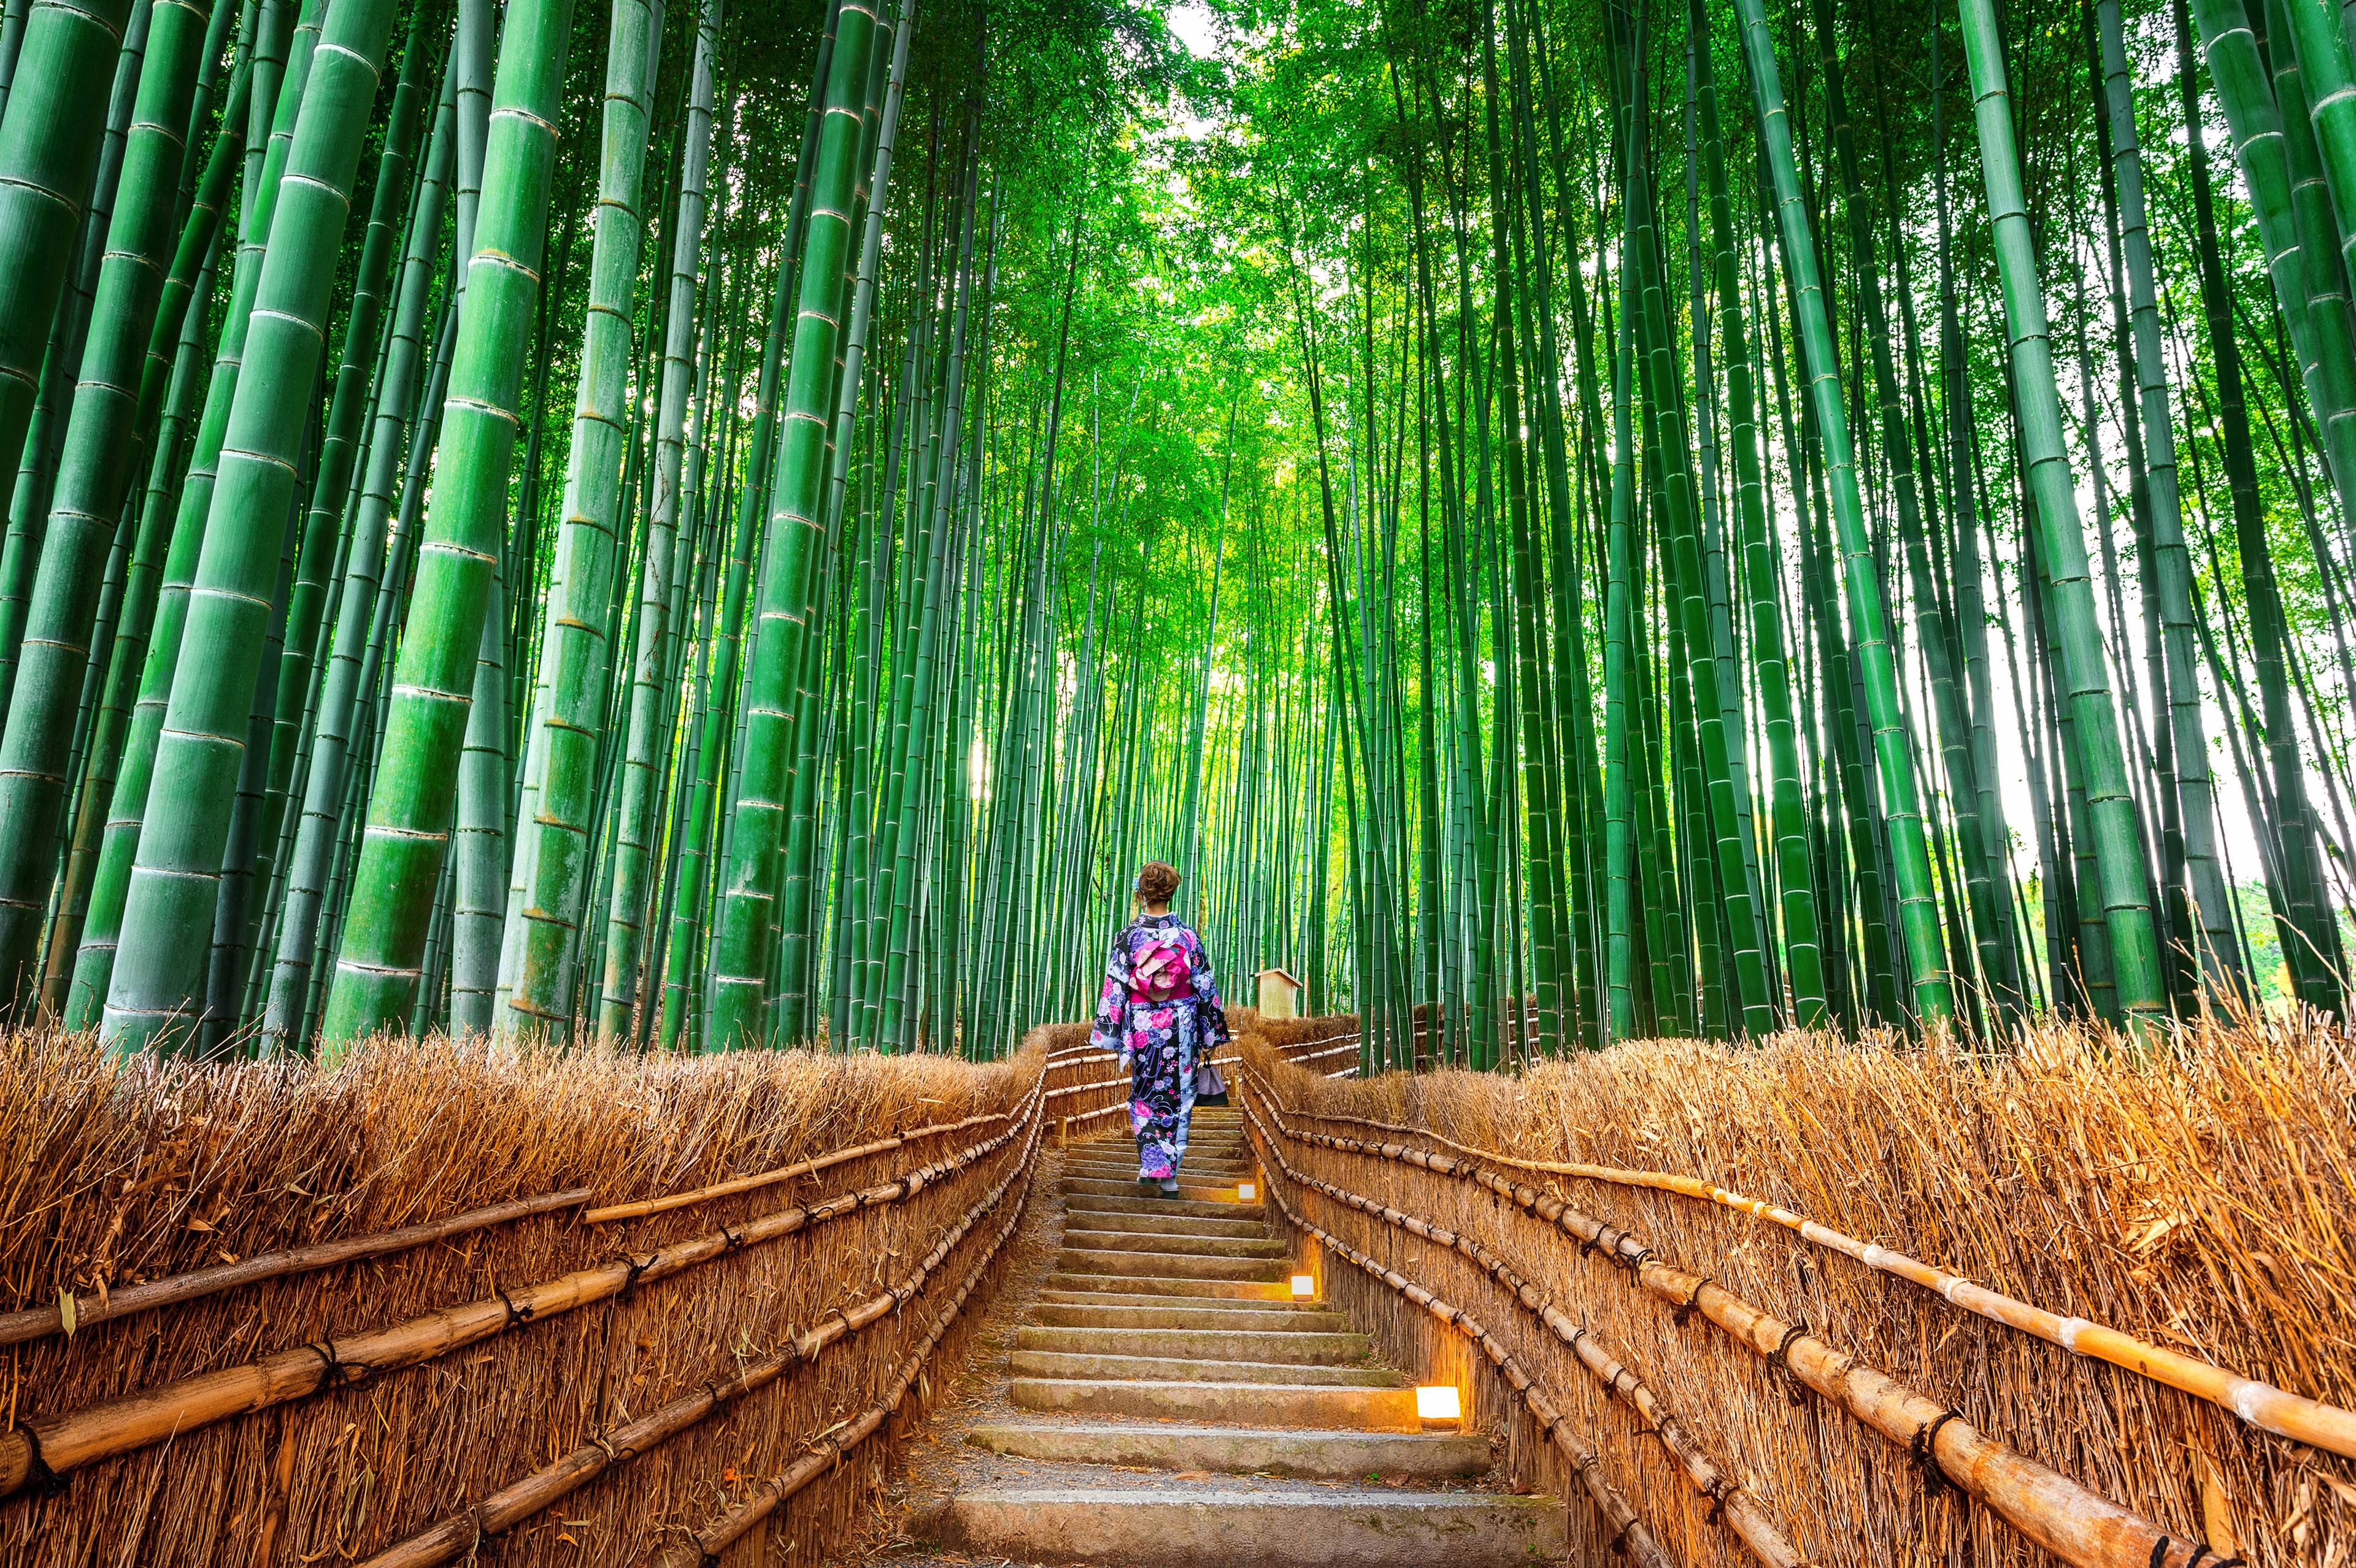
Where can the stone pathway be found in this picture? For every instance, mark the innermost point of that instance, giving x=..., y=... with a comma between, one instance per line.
x=1144, y=1391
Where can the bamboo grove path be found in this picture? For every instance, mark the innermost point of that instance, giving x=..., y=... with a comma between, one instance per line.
x=1084, y=1375
x=1151, y=1392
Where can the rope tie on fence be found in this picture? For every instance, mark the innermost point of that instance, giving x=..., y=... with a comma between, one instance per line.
x=1924, y=1453
x=1780, y=1360
x=330, y=1369
x=1719, y=1490
x=630, y=1281
x=2201, y=1558
x=515, y=1314
x=1683, y=1313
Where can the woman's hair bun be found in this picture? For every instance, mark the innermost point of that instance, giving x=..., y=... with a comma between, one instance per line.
x=1157, y=881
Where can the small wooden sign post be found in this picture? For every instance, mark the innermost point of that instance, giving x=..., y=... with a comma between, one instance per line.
x=1280, y=995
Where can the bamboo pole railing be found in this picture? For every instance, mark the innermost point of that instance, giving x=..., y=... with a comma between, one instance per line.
x=46, y=1447
x=1629, y=1533
x=1730, y=1500
x=734, y=1185
x=494, y=1515
x=2260, y=1404
x=821, y=1457
x=2075, y=1523
x=37, y=1322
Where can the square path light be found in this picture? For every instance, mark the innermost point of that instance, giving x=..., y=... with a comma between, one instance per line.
x=1304, y=1286
x=1440, y=1403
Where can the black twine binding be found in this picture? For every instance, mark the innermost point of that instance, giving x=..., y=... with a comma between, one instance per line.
x=332, y=1370
x=1685, y=1311
x=630, y=1282
x=1720, y=1490
x=39, y=1479
x=1781, y=1359
x=1925, y=1456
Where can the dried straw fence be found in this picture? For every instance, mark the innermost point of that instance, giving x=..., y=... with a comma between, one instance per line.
x=1834, y=1302
x=427, y=1307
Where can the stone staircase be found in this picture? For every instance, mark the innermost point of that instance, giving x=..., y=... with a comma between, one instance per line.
x=1189, y=1409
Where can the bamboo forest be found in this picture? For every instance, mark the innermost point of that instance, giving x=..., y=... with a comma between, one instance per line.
x=697, y=525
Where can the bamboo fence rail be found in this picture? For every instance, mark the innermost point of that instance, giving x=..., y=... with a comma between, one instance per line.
x=2055, y=1512
x=42, y=1448
x=16, y=1327
x=329, y=1460
x=2259, y=1403
x=1628, y=1534
x=645, y=1206
x=832, y=1448
x=495, y=1515
x=1729, y=1500
x=2198, y=1194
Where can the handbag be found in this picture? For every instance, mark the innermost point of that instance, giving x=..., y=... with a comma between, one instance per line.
x=1210, y=1089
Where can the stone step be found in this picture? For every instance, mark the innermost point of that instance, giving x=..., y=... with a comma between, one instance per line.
x=1138, y=1291
x=1027, y=1363
x=1146, y=1312
x=1197, y=1142
x=1161, y=1223
x=1167, y=1265
x=1135, y=1203
x=1189, y=1190
x=1328, y=1405
x=1290, y=1344
x=1113, y=1166
x=1268, y=1528
x=1246, y=1451
x=1174, y=1243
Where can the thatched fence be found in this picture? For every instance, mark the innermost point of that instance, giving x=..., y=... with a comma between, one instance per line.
x=427, y=1307
x=1820, y=1302
x=1847, y=1303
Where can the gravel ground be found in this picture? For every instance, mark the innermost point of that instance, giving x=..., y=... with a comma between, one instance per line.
x=939, y=1462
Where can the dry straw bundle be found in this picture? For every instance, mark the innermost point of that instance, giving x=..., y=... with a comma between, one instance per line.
x=117, y=1172
x=2200, y=1195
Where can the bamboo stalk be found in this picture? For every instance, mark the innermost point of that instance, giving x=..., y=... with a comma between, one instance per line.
x=2259, y=1403
x=37, y=1322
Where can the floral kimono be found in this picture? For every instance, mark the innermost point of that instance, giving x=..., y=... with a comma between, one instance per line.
x=1160, y=1037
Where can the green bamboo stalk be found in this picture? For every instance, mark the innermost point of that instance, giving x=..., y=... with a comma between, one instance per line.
x=409, y=806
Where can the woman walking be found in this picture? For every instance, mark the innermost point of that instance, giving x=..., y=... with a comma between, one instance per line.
x=1161, y=1011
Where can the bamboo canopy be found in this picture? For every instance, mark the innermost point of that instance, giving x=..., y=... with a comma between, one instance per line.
x=1567, y=522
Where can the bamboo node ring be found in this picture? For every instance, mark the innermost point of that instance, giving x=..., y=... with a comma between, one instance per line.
x=1685, y=1309
x=1782, y=1361
x=1926, y=1459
